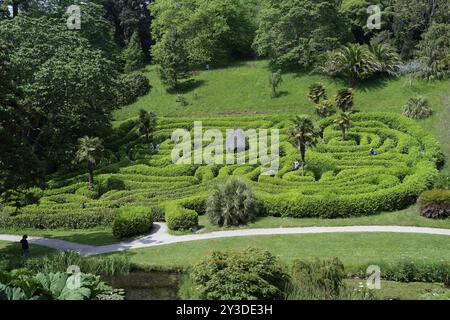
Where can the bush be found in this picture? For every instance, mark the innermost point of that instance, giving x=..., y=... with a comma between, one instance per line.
x=231, y=203
x=435, y=204
x=132, y=86
x=417, y=108
x=180, y=218
x=132, y=221
x=251, y=274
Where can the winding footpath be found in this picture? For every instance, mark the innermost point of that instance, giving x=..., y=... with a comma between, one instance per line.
x=160, y=236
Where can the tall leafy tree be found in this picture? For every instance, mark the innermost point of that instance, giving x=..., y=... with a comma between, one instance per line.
x=224, y=29
x=304, y=135
x=19, y=166
x=434, y=52
x=147, y=123
x=292, y=32
x=133, y=55
x=89, y=152
x=128, y=17
x=172, y=57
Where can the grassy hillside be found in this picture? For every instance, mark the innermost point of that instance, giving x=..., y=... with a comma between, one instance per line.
x=243, y=89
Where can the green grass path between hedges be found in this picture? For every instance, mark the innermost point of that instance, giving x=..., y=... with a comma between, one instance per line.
x=353, y=249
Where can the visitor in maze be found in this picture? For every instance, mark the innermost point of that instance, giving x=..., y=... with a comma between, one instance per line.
x=373, y=152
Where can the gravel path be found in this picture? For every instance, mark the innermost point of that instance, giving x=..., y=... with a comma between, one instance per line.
x=160, y=236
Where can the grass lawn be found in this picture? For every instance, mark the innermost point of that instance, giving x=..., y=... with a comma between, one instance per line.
x=352, y=248
x=407, y=217
x=11, y=253
x=243, y=89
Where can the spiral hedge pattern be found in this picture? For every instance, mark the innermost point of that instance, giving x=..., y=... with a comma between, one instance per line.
x=342, y=178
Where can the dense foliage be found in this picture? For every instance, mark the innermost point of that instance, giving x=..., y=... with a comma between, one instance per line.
x=291, y=33
x=132, y=221
x=435, y=203
x=247, y=275
x=23, y=284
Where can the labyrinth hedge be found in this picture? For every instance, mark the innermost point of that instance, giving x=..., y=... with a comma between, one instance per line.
x=342, y=178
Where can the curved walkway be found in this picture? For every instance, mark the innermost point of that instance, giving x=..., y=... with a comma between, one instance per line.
x=160, y=236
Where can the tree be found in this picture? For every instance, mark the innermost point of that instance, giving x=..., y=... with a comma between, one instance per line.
x=434, y=52
x=172, y=57
x=293, y=32
x=344, y=99
x=387, y=58
x=223, y=29
x=343, y=119
x=133, y=54
x=304, y=135
x=89, y=151
x=354, y=62
x=147, y=123
x=128, y=17
x=19, y=165
x=231, y=203
x=317, y=92
x=275, y=79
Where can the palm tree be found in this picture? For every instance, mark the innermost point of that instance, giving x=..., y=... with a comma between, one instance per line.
x=388, y=59
x=304, y=134
x=343, y=119
x=316, y=92
x=231, y=203
x=90, y=151
x=147, y=123
x=344, y=99
x=354, y=61
x=417, y=108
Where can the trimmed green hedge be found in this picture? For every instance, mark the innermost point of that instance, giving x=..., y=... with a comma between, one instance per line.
x=132, y=221
x=180, y=218
x=76, y=219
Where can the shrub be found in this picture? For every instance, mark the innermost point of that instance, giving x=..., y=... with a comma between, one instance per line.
x=417, y=108
x=435, y=203
x=132, y=221
x=231, y=203
x=247, y=275
x=180, y=218
x=132, y=86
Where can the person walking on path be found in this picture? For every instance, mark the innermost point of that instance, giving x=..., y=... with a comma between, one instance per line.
x=25, y=246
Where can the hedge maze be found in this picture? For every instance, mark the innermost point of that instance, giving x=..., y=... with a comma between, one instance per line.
x=342, y=178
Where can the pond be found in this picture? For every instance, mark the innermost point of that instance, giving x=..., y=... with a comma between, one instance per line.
x=148, y=285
